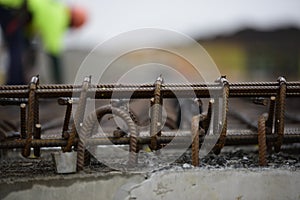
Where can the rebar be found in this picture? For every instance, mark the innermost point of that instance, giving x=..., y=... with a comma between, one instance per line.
x=279, y=116
x=262, y=146
x=37, y=150
x=270, y=120
x=67, y=117
x=156, y=114
x=36, y=121
x=89, y=123
x=23, y=120
x=78, y=115
x=262, y=133
x=30, y=115
x=256, y=89
x=225, y=93
x=195, y=140
x=231, y=140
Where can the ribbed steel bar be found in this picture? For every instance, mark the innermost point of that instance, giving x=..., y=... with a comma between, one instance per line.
x=225, y=93
x=37, y=150
x=270, y=120
x=262, y=89
x=30, y=135
x=79, y=114
x=30, y=116
x=156, y=114
x=66, y=86
x=23, y=120
x=195, y=140
x=279, y=114
x=89, y=123
x=36, y=121
x=67, y=117
x=231, y=140
x=262, y=146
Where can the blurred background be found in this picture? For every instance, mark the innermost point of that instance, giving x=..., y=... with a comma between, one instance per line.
x=248, y=40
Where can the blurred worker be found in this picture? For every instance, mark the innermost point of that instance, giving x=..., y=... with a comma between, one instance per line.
x=49, y=19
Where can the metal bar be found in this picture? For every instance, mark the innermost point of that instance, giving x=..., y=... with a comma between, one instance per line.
x=256, y=89
x=156, y=114
x=231, y=140
x=279, y=114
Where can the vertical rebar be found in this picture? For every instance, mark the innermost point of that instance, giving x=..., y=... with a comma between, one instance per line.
x=270, y=121
x=81, y=148
x=30, y=116
x=78, y=116
x=195, y=140
x=206, y=121
x=262, y=148
x=156, y=114
x=37, y=150
x=23, y=120
x=76, y=127
x=216, y=112
x=279, y=115
x=67, y=117
x=36, y=121
x=221, y=141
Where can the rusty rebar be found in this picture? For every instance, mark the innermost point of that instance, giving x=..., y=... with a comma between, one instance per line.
x=206, y=119
x=270, y=120
x=78, y=115
x=36, y=121
x=37, y=150
x=231, y=140
x=156, y=114
x=76, y=128
x=30, y=135
x=23, y=120
x=262, y=146
x=279, y=115
x=225, y=94
x=67, y=117
x=91, y=119
x=30, y=115
x=195, y=140
x=255, y=89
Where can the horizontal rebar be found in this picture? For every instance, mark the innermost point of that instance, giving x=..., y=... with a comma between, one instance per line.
x=261, y=89
x=230, y=140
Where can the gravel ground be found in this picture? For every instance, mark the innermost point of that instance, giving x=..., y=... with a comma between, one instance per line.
x=230, y=158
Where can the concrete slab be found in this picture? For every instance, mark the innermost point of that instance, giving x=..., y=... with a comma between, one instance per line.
x=220, y=184
x=178, y=183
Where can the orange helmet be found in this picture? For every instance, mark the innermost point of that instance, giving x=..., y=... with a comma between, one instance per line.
x=77, y=16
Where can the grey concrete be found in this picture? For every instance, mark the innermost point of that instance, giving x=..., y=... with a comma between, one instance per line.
x=73, y=186
x=171, y=184
x=65, y=162
x=220, y=184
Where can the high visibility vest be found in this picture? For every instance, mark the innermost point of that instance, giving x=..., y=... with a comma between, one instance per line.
x=50, y=20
